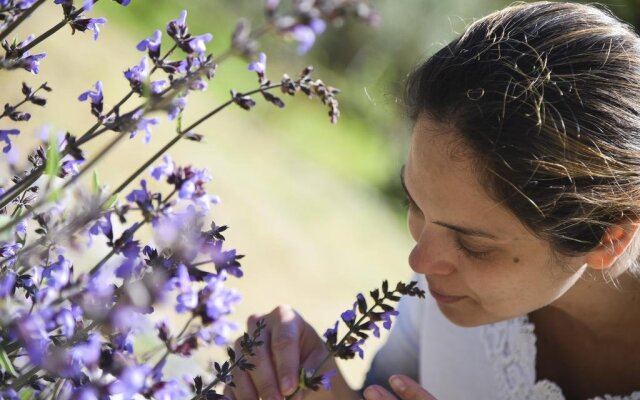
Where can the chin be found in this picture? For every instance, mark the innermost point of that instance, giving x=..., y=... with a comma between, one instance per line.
x=468, y=317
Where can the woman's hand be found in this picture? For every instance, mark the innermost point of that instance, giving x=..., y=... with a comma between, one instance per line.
x=289, y=344
x=405, y=387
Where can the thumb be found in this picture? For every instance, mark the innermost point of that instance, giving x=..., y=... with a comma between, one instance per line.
x=408, y=389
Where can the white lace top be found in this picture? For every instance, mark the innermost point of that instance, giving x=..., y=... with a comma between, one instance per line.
x=495, y=361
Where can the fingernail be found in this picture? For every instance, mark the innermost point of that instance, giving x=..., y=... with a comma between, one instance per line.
x=397, y=384
x=286, y=385
x=372, y=393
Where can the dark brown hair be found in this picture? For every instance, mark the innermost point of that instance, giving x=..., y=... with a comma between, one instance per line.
x=547, y=97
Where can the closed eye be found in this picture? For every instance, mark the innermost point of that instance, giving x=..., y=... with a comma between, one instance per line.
x=470, y=253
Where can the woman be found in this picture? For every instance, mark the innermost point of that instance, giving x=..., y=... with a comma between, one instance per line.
x=523, y=179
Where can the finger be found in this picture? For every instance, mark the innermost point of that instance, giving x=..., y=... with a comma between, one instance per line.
x=264, y=376
x=408, y=389
x=375, y=392
x=285, y=346
x=243, y=388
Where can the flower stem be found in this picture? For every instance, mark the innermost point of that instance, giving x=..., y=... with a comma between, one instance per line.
x=33, y=176
x=20, y=19
x=179, y=136
x=53, y=29
x=331, y=354
x=168, y=351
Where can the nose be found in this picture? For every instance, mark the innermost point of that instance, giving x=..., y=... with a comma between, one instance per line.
x=431, y=255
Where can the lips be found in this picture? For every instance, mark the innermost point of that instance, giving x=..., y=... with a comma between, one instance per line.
x=444, y=298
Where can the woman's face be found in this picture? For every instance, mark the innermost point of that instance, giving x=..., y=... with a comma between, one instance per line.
x=481, y=264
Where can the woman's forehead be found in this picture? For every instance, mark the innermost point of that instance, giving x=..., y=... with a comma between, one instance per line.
x=440, y=175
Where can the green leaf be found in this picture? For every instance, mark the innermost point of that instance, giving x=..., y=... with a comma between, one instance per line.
x=53, y=157
x=109, y=202
x=6, y=363
x=95, y=182
x=179, y=123
x=54, y=195
x=26, y=394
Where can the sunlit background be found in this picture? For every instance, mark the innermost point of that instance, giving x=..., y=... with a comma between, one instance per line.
x=316, y=208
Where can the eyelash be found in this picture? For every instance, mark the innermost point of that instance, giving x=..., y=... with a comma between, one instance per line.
x=410, y=205
x=470, y=253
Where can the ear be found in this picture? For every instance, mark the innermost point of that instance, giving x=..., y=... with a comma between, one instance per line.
x=615, y=241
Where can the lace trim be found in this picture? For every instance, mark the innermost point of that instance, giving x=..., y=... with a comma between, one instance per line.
x=511, y=348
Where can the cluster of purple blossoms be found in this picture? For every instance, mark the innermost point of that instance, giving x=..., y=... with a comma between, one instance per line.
x=17, y=57
x=68, y=331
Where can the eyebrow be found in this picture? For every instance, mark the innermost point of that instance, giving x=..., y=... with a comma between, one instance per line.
x=459, y=229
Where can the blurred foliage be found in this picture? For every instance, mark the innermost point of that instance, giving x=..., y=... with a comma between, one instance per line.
x=367, y=64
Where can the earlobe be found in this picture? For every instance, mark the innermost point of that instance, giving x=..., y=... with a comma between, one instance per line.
x=614, y=242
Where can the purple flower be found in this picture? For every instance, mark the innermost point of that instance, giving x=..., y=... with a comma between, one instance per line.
x=165, y=169
x=348, y=316
x=305, y=36
x=67, y=322
x=21, y=228
x=9, y=394
x=219, y=301
x=218, y=332
x=178, y=28
x=143, y=124
x=85, y=392
x=176, y=107
x=32, y=330
x=260, y=66
x=355, y=348
x=140, y=196
x=4, y=136
x=18, y=57
x=137, y=74
x=69, y=166
x=130, y=381
x=8, y=251
x=187, y=299
x=24, y=4
x=123, y=2
x=88, y=352
x=325, y=379
x=124, y=341
x=197, y=43
x=31, y=63
x=100, y=286
x=169, y=390
x=331, y=331
x=102, y=225
x=224, y=260
x=158, y=86
x=7, y=284
x=58, y=274
x=92, y=24
x=386, y=318
x=95, y=97
x=152, y=45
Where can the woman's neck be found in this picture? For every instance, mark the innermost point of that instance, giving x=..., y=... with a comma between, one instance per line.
x=603, y=307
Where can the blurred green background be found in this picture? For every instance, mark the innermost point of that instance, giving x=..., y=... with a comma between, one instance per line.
x=316, y=208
